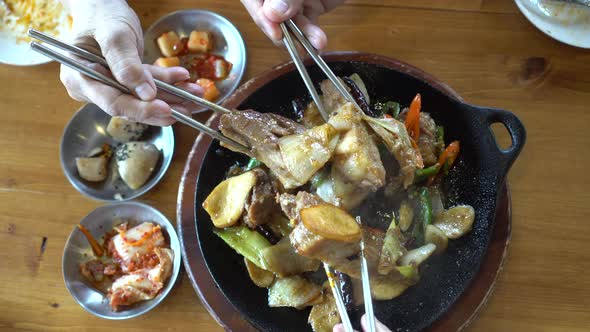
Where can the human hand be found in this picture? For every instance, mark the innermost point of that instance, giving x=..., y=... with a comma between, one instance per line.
x=268, y=14
x=379, y=327
x=112, y=27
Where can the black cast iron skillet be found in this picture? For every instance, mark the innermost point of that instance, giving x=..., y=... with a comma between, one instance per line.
x=475, y=179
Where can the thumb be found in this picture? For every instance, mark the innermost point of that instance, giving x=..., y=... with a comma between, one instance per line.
x=281, y=10
x=120, y=49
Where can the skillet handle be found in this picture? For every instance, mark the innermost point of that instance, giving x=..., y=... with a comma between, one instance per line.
x=516, y=130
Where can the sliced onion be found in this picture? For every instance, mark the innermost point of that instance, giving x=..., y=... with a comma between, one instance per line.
x=293, y=292
x=306, y=153
x=456, y=221
x=436, y=201
x=418, y=255
x=437, y=237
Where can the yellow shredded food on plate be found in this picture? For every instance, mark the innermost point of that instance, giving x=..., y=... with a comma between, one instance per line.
x=44, y=15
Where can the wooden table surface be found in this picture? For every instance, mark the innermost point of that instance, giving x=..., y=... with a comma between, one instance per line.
x=485, y=50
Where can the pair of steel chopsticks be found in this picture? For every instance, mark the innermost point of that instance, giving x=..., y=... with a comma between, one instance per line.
x=85, y=70
x=289, y=27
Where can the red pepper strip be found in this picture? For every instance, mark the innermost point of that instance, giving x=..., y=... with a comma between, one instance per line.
x=96, y=248
x=413, y=117
x=447, y=158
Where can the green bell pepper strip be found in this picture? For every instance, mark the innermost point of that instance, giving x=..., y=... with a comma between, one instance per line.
x=245, y=242
x=393, y=107
x=424, y=173
x=252, y=163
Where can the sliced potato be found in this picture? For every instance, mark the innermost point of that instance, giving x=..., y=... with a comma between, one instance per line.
x=168, y=42
x=417, y=256
x=295, y=292
x=172, y=61
x=331, y=222
x=92, y=169
x=260, y=277
x=225, y=204
x=200, y=41
x=406, y=215
x=437, y=237
x=456, y=221
x=324, y=316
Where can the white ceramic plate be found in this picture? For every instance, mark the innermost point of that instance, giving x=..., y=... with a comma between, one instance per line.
x=18, y=53
x=568, y=23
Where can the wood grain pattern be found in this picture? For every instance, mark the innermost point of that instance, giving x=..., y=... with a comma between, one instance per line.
x=486, y=50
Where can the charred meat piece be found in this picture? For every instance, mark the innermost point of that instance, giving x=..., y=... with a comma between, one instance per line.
x=261, y=133
x=261, y=205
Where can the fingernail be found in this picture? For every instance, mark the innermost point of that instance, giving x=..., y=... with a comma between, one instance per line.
x=315, y=41
x=194, y=88
x=145, y=91
x=280, y=7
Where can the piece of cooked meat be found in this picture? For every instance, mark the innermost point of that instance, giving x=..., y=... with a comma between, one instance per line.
x=398, y=142
x=356, y=156
x=331, y=98
x=309, y=244
x=427, y=143
x=373, y=243
x=292, y=204
x=261, y=204
x=260, y=132
x=311, y=116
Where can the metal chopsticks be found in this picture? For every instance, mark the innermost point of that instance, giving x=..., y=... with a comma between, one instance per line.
x=288, y=41
x=294, y=29
x=100, y=60
x=338, y=297
x=85, y=70
x=367, y=295
x=289, y=27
